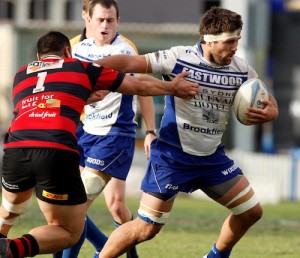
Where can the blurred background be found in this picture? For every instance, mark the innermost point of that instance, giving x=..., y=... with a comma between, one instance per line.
x=268, y=154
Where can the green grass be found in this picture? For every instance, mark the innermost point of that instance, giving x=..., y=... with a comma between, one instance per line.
x=193, y=227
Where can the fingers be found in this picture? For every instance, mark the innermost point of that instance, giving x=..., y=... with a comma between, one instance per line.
x=184, y=74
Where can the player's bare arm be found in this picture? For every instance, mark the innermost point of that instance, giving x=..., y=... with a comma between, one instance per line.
x=127, y=64
x=146, y=85
x=97, y=96
x=259, y=116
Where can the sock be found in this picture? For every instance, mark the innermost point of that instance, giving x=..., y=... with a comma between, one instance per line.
x=74, y=250
x=94, y=235
x=215, y=253
x=23, y=246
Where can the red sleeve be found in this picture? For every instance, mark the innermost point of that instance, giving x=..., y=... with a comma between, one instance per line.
x=104, y=78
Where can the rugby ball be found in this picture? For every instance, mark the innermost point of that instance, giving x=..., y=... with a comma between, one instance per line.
x=250, y=94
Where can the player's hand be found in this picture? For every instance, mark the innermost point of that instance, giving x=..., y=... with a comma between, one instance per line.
x=259, y=116
x=97, y=96
x=183, y=88
x=147, y=144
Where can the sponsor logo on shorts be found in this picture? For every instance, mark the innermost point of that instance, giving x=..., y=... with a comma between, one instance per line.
x=9, y=186
x=171, y=187
x=229, y=170
x=57, y=197
x=95, y=161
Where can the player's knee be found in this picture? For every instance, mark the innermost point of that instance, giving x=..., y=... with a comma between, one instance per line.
x=254, y=214
x=155, y=220
x=14, y=211
x=93, y=184
x=118, y=209
x=150, y=231
x=72, y=233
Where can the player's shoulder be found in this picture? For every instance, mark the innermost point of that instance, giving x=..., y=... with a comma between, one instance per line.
x=184, y=49
x=75, y=40
x=128, y=43
x=241, y=64
x=84, y=43
x=179, y=51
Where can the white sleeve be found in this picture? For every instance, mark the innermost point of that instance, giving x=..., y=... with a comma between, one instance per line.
x=252, y=73
x=124, y=49
x=163, y=61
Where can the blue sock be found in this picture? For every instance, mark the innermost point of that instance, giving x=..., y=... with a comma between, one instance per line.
x=215, y=253
x=94, y=235
x=73, y=251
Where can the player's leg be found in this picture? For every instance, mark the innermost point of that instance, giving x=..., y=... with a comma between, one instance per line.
x=13, y=205
x=114, y=194
x=240, y=198
x=94, y=183
x=152, y=215
x=61, y=231
x=17, y=188
x=73, y=251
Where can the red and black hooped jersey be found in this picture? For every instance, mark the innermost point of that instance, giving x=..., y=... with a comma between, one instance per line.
x=48, y=98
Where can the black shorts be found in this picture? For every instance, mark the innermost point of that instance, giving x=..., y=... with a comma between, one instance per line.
x=55, y=174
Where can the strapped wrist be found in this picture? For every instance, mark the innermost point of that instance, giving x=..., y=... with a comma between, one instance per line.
x=153, y=132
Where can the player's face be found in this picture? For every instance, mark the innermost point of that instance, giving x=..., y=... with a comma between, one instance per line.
x=222, y=52
x=104, y=24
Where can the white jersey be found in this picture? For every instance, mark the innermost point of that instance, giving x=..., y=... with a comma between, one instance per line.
x=197, y=125
x=114, y=115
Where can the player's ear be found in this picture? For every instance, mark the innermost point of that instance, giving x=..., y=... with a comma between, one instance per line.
x=83, y=14
x=67, y=52
x=88, y=18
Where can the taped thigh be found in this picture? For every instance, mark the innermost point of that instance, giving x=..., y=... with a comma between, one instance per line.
x=19, y=208
x=152, y=216
x=93, y=184
x=243, y=202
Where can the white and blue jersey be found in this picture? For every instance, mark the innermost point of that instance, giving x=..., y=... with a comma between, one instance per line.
x=114, y=115
x=107, y=140
x=197, y=125
x=188, y=155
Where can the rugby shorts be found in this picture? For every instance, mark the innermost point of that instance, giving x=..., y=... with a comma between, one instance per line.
x=110, y=154
x=55, y=174
x=170, y=170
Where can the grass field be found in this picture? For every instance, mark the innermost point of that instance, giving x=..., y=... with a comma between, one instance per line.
x=193, y=227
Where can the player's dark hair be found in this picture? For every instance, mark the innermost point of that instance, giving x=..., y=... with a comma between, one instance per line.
x=85, y=5
x=52, y=43
x=105, y=3
x=217, y=20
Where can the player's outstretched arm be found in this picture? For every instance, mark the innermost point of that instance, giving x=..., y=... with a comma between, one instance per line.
x=146, y=85
x=126, y=64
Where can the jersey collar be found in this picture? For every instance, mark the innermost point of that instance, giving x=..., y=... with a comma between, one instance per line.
x=199, y=48
x=50, y=58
